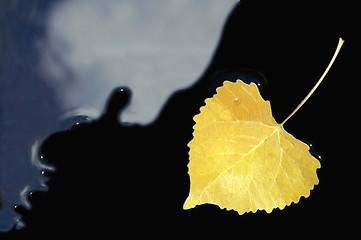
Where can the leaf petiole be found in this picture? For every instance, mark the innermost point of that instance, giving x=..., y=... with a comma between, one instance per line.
x=340, y=42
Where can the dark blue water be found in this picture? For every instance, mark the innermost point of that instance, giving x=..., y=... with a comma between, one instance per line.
x=60, y=61
x=113, y=178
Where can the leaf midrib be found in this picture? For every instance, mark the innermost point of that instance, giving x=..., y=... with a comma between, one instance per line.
x=276, y=129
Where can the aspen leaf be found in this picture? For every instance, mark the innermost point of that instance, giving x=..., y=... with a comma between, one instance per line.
x=242, y=159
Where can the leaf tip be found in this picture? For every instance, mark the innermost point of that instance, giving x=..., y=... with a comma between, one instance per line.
x=189, y=203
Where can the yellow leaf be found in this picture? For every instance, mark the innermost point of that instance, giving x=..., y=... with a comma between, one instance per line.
x=242, y=159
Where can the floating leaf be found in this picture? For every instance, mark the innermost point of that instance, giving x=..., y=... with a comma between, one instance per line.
x=242, y=159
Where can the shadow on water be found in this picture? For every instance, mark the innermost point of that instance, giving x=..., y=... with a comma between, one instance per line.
x=119, y=179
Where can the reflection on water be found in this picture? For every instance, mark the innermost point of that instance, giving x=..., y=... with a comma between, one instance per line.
x=159, y=45
x=60, y=60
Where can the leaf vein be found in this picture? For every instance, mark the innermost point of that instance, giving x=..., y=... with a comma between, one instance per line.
x=230, y=167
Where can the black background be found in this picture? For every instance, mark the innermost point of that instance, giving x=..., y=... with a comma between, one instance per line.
x=116, y=180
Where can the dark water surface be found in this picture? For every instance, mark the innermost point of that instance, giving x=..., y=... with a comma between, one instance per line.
x=132, y=179
x=60, y=61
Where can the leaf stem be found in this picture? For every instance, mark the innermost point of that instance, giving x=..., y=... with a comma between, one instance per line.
x=340, y=42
